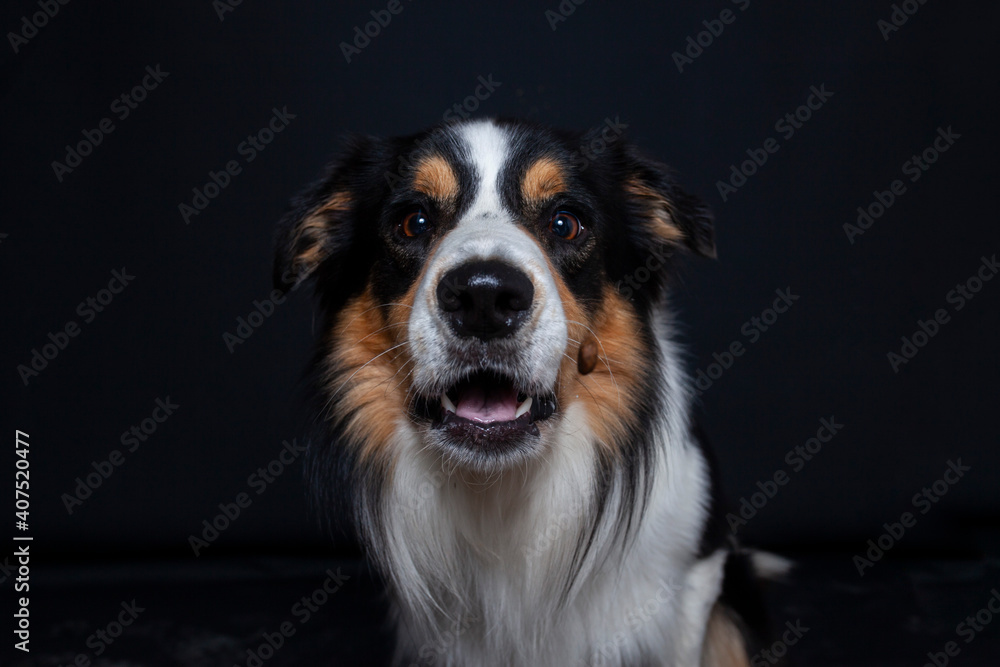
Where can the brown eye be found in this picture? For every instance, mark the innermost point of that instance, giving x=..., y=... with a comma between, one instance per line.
x=565, y=225
x=415, y=224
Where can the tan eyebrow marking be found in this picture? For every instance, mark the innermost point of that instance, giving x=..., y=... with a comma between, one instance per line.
x=543, y=179
x=435, y=178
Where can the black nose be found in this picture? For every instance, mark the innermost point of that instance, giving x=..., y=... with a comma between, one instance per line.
x=487, y=299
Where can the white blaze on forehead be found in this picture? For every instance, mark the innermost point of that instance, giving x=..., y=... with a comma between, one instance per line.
x=487, y=148
x=488, y=231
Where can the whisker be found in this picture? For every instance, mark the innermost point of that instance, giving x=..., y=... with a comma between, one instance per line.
x=577, y=342
x=582, y=382
x=378, y=331
x=384, y=352
x=411, y=390
x=408, y=362
x=368, y=310
x=607, y=361
x=389, y=379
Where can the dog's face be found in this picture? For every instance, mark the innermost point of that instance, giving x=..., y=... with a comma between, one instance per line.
x=460, y=271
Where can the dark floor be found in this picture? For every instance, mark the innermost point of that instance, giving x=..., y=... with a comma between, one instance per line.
x=218, y=613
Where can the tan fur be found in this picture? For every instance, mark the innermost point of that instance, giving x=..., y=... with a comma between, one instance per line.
x=723, y=645
x=435, y=178
x=308, y=241
x=659, y=212
x=544, y=179
x=370, y=378
x=622, y=363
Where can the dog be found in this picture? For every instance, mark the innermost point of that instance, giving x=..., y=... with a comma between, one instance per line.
x=501, y=406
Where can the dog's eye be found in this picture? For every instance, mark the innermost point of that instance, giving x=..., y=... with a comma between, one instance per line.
x=414, y=224
x=565, y=225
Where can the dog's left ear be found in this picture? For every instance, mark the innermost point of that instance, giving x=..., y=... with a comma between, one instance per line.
x=673, y=215
x=308, y=236
x=319, y=227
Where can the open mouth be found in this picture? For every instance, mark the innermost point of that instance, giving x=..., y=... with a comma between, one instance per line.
x=486, y=410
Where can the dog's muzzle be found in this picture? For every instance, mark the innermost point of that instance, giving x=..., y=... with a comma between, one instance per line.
x=488, y=336
x=489, y=408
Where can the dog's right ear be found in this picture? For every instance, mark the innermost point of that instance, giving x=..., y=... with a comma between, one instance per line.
x=319, y=225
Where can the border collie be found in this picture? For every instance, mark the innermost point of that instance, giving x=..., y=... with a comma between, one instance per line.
x=501, y=406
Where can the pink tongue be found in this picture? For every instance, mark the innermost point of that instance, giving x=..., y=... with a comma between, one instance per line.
x=487, y=404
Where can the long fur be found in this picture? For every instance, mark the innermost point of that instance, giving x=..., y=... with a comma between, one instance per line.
x=596, y=542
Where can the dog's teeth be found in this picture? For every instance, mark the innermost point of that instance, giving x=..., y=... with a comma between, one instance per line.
x=524, y=407
x=447, y=404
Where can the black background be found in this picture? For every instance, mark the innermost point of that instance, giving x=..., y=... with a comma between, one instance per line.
x=163, y=336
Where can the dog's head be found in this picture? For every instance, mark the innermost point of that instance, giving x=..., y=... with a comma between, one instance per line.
x=460, y=271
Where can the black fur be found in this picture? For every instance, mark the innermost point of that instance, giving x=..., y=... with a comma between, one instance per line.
x=361, y=248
